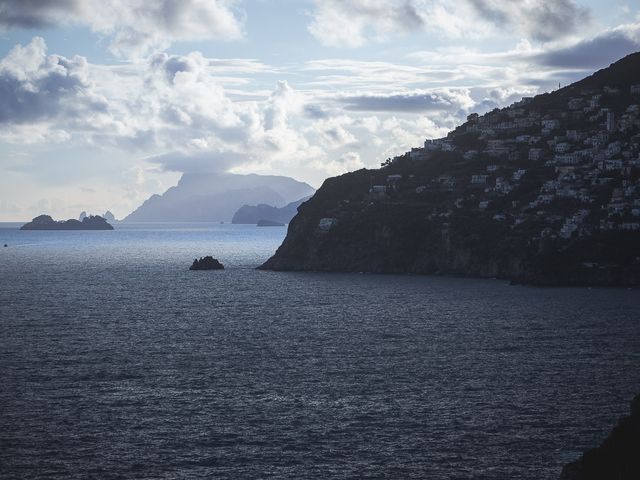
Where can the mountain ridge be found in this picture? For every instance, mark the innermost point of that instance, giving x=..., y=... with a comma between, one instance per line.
x=216, y=197
x=252, y=214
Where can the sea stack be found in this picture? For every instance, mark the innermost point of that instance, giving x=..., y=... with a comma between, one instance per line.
x=206, y=263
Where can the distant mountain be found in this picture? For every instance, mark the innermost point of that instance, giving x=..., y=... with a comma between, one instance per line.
x=108, y=216
x=252, y=214
x=216, y=197
x=545, y=191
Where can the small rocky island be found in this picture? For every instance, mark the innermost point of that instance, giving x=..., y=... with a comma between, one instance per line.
x=617, y=458
x=45, y=222
x=206, y=263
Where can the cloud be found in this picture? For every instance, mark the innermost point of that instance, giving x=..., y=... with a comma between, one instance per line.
x=451, y=100
x=597, y=52
x=315, y=111
x=333, y=132
x=9, y=208
x=198, y=162
x=35, y=86
x=169, y=103
x=36, y=13
x=135, y=27
x=347, y=162
x=337, y=23
x=174, y=113
x=352, y=24
x=537, y=19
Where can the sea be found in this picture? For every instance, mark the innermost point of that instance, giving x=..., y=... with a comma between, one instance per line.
x=118, y=362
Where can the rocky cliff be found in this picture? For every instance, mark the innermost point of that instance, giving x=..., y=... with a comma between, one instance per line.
x=546, y=191
x=618, y=458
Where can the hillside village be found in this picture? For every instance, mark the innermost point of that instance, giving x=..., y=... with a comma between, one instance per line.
x=581, y=157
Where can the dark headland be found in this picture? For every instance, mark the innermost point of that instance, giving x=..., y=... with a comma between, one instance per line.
x=618, y=458
x=545, y=191
x=45, y=222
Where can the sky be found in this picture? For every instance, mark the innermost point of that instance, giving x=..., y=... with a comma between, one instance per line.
x=106, y=102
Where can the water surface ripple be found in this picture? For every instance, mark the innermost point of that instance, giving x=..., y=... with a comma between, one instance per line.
x=116, y=361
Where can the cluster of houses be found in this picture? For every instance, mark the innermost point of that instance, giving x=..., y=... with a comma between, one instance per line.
x=582, y=157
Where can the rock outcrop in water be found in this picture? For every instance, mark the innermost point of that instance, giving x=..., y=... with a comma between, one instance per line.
x=206, y=263
x=45, y=222
x=618, y=458
x=546, y=191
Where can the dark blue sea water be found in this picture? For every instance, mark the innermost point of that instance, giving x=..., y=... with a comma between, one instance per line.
x=116, y=361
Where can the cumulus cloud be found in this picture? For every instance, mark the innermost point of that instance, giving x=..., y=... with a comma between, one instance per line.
x=175, y=104
x=354, y=23
x=333, y=132
x=176, y=113
x=198, y=162
x=347, y=162
x=169, y=103
x=134, y=26
x=35, y=86
x=182, y=98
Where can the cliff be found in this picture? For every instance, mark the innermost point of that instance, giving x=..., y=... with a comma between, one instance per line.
x=617, y=458
x=545, y=191
x=45, y=222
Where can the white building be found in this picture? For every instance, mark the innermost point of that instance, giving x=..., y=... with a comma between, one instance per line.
x=535, y=154
x=479, y=179
x=550, y=124
x=518, y=174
